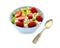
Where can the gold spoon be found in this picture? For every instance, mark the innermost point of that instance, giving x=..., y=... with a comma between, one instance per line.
x=48, y=24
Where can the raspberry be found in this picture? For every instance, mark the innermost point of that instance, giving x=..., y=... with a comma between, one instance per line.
x=39, y=18
x=32, y=24
x=30, y=16
x=33, y=10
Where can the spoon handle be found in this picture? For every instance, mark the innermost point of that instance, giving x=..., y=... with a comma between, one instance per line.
x=37, y=37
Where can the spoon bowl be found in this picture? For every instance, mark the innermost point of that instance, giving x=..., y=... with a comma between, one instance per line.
x=48, y=23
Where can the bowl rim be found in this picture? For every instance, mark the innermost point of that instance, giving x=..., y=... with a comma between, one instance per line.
x=25, y=7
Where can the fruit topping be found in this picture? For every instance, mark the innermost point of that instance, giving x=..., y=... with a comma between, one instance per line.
x=13, y=20
x=20, y=24
x=18, y=14
x=39, y=18
x=30, y=16
x=21, y=18
x=33, y=10
x=32, y=24
x=26, y=17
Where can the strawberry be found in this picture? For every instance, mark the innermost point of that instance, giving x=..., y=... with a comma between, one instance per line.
x=33, y=10
x=39, y=18
x=20, y=24
x=30, y=16
x=32, y=24
x=18, y=14
x=21, y=18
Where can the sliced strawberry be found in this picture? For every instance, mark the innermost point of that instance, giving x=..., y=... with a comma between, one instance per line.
x=30, y=16
x=18, y=14
x=32, y=24
x=33, y=10
x=39, y=18
x=20, y=24
x=21, y=18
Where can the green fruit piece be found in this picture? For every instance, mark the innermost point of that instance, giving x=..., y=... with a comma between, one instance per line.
x=27, y=10
x=13, y=13
x=33, y=19
x=23, y=10
x=13, y=20
x=35, y=14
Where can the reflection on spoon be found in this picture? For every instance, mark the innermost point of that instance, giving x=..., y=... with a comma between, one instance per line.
x=48, y=24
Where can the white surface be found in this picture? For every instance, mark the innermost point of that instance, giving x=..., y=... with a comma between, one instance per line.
x=11, y=38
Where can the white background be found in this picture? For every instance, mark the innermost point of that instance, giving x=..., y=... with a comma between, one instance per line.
x=11, y=38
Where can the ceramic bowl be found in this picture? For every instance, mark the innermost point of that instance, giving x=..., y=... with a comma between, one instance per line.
x=26, y=30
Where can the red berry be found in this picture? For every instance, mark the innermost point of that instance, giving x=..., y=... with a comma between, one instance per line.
x=18, y=14
x=21, y=18
x=32, y=24
x=39, y=18
x=33, y=10
x=20, y=24
x=30, y=16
